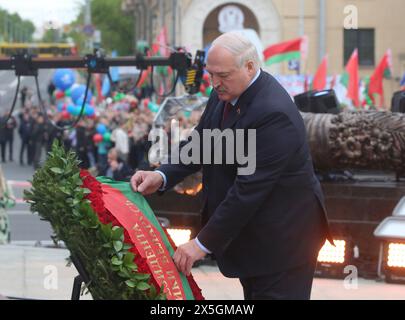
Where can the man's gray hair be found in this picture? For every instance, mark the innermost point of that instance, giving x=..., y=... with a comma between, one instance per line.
x=240, y=46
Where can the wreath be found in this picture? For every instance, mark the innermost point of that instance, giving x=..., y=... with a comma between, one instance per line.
x=110, y=229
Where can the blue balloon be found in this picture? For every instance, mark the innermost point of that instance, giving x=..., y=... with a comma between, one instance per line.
x=101, y=128
x=79, y=101
x=89, y=110
x=78, y=92
x=71, y=108
x=153, y=107
x=77, y=110
x=63, y=79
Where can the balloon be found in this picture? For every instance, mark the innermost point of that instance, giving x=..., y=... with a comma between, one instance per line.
x=199, y=94
x=65, y=114
x=119, y=97
x=89, y=110
x=77, y=110
x=78, y=92
x=208, y=91
x=71, y=108
x=187, y=114
x=101, y=128
x=97, y=138
x=107, y=137
x=68, y=92
x=59, y=94
x=63, y=79
x=202, y=88
x=153, y=106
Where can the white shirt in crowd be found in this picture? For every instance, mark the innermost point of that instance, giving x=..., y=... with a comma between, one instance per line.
x=120, y=137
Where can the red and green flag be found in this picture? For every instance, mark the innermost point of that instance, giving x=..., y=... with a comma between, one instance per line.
x=98, y=85
x=333, y=82
x=160, y=48
x=383, y=71
x=350, y=78
x=365, y=99
x=144, y=80
x=319, y=81
x=289, y=50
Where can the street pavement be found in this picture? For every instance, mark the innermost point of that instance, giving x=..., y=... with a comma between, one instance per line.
x=25, y=226
x=41, y=273
x=8, y=85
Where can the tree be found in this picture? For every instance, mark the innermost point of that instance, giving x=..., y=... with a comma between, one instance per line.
x=52, y=35
x=117, y=32
x=14, y=29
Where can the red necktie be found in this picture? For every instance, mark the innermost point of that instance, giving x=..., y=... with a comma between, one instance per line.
x=227, y=109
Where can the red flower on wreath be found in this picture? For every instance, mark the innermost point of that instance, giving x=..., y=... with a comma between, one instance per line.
x=105, y=217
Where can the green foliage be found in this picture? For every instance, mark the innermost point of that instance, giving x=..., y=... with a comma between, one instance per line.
x=53, y=35
x=58, y=197
x=14, y=28
x=117, y=28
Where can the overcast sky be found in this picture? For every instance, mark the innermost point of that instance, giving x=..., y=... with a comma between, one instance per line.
x=43, y=11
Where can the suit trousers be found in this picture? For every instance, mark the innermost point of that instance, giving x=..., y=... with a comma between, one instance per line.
x=292, y=284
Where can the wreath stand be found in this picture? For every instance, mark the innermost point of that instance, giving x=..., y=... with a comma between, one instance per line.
x=80, y=279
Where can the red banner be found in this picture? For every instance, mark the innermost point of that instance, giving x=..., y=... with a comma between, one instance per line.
x=147, y=240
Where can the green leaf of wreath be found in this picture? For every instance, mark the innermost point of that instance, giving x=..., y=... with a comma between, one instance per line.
x=142, y=286
x=57, y=170
x=142, y=276
x=118, y=245
x=115, y=261
x=130, y=283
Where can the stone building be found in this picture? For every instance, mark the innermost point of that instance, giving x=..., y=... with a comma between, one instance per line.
x=194, y=24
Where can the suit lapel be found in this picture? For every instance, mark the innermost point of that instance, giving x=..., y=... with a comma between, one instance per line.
x=217, y=114
x=243, y=102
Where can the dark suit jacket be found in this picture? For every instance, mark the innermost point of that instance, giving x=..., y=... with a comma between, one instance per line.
x=273, y=219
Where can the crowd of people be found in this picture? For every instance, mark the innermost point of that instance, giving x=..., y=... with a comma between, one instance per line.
x=117, y=151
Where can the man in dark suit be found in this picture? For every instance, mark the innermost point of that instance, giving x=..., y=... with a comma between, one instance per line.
x=265, y=227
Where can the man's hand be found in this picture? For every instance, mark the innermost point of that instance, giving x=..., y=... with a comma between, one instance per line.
x=186, y=255
x=146, y=182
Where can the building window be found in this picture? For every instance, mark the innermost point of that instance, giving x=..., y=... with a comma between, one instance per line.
x=363, y=39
